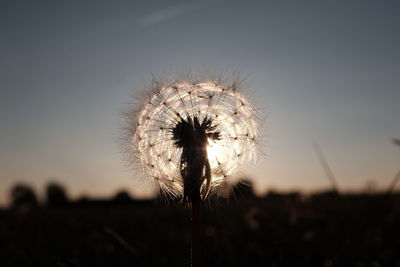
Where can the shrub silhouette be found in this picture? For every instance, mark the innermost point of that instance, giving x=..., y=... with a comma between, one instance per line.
x=23, y=195
x=56, y=195
x=122, y=197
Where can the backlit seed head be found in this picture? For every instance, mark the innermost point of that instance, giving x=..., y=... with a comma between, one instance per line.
x=160, y=129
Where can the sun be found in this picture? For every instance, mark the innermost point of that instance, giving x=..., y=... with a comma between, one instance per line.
x=214, y=151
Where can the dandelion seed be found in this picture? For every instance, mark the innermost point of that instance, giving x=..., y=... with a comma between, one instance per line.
x=191, y=128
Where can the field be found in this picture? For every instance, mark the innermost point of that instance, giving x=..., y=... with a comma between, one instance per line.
x=276, y=230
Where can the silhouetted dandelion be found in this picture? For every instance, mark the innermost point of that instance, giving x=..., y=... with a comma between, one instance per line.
x=193, y=128
x=190, y=135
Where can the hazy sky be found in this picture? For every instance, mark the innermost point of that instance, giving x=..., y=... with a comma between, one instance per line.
x=320, y=70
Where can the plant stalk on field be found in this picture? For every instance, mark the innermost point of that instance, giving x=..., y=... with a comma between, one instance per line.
x=326, y=168
x=189, y=136
x=396, y=179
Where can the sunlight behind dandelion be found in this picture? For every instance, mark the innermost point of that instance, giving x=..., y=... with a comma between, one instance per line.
x=214, y=152
x=232, y=116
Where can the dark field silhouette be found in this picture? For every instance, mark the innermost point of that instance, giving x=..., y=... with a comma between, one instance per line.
x=324, y=229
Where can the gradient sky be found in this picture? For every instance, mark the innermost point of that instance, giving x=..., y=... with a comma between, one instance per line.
x=320, y=70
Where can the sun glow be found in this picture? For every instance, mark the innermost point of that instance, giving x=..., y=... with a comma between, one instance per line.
x=214, y=153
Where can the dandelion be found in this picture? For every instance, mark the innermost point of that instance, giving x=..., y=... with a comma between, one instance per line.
x=192, y=128
x=190, y=136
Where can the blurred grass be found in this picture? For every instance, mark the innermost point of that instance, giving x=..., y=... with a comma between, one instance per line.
x=277, y=230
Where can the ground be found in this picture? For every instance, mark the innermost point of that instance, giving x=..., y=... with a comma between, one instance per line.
x=276, y=230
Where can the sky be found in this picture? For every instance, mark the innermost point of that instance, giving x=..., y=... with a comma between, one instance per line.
x=325, y=71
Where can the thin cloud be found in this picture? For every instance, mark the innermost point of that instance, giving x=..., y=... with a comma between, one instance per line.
x=165, y=14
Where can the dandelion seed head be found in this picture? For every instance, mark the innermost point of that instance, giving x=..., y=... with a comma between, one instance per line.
x=230, y=144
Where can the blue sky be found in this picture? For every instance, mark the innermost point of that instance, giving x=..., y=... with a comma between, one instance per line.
x=320, y=70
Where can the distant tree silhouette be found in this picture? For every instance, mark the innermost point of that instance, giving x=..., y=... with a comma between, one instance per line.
x=122, y=197
x=56, y=195
x=23, y=195
x=243, y=188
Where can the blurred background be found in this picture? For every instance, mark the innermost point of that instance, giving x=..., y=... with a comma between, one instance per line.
x=325, y=75
x=320, y=71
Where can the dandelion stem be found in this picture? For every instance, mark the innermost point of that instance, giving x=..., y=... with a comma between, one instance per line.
x=196, y=229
